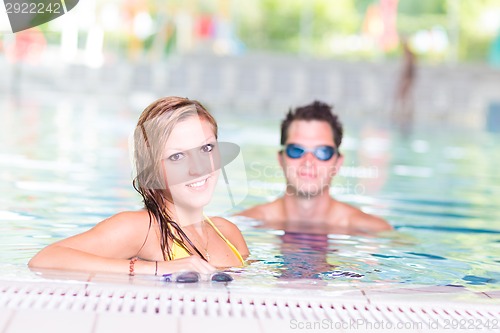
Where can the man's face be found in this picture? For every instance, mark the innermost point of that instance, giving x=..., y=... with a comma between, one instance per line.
x=308, y=175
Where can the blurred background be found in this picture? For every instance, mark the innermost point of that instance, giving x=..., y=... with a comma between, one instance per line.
x=264, y=56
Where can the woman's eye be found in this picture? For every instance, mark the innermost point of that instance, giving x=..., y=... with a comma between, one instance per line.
x=207, y=148
x=176, y=157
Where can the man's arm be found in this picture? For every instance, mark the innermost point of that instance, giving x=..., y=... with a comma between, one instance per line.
x=368, y=223
x=253, y=212
x=267, y=212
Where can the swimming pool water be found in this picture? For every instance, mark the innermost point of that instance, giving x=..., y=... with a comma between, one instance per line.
x=65, y=166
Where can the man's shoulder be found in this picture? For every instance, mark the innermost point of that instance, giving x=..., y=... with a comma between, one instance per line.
x=369, y=223
x=356, y=219
x=264, y=212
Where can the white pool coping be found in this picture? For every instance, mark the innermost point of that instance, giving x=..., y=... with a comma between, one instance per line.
x=80, y=302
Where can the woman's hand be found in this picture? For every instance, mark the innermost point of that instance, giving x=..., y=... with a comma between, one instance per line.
x=191, y=263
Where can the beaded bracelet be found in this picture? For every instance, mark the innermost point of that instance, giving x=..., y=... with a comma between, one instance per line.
x=131, y=266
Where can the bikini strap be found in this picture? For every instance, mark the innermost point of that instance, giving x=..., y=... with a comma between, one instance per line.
x=231, y=246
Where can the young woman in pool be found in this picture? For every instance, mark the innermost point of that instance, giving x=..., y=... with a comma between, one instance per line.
x=177, y=163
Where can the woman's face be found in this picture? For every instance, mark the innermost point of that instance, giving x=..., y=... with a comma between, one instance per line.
x=191, y=163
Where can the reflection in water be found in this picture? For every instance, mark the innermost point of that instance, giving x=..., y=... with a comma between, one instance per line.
x=304, y=256
x=398, y=257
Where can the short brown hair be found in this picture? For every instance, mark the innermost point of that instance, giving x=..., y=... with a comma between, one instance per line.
x=315, y=111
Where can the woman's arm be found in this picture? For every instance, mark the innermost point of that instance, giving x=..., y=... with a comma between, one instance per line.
x=108, y=247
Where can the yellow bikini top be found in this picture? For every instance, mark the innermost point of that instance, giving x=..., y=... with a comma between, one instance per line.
x=179, y=252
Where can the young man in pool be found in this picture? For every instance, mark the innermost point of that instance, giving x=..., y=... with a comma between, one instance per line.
x=311, y=136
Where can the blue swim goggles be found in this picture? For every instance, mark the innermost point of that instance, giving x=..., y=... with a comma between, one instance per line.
x=322, y=153
x=192, y=277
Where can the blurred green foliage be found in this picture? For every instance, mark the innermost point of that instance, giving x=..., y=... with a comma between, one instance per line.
x=316, y=28
x=283, y=26
x=309, y=26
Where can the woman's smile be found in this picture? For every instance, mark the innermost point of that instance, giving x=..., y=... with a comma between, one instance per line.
x=199, y=184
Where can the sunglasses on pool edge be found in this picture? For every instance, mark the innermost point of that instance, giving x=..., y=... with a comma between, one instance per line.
x=322, y=153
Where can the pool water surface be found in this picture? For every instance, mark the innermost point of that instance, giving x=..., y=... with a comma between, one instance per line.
x=65, y=166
